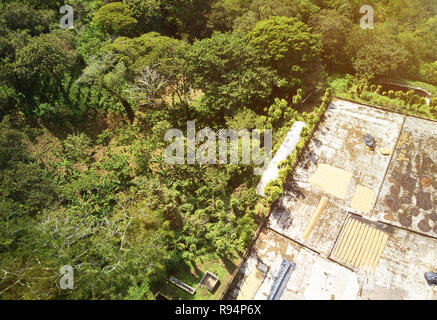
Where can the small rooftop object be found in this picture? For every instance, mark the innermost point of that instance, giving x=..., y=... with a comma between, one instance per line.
x=369, y=141
x=280, y=282
x=361, y=245
x=182, y=285
x=362, y=199
x=315, y=217
x=160, y=296
x=209, y=280
x=385, y=151
x=331, y=179
x=431, y=278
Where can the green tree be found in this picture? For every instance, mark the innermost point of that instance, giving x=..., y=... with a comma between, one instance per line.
x=116, y=19
x=122, y=65
x=264, y=9
x=41, y=66
x=224, y=12
x=229, y=72
x=17, y=15
x=23, y=184
x=147, y=13
x=334, y=29
x=150, y=49
x=109, y=74
x=287, y=45
x=186, y=19
x=428, y=72
x=376, y=54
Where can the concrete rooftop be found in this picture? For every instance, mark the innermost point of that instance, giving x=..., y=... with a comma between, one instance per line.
x=398, y=236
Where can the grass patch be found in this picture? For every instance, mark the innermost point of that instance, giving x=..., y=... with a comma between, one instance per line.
x=426, y=86
x=347, y=87
x=191, y=274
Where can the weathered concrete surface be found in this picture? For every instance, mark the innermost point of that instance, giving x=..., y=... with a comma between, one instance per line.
x=400, y=272
x=337, y=142
x=406, y=256
x=313, y=278
x=292, y=217
x=408, y=195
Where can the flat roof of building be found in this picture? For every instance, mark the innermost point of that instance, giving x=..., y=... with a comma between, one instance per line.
x=374, y=240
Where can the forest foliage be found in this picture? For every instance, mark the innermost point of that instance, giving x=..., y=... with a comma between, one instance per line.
x=83, y=113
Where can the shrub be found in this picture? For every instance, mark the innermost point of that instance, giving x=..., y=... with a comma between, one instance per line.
x=378, y=89
x=408, y=96
x=115, y=18
x=433, y=104
x=367, y=96
x=273, y=190
x=127, y=134
x=76, y=147
x=415, y=99
x=54, y=113
x=399, y=94
x=297, y=99
x=104, y=137
x=304, y=132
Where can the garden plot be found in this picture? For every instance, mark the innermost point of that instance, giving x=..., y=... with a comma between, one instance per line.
x=408, y=195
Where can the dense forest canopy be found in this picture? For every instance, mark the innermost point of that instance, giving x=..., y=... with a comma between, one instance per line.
x=83, y=113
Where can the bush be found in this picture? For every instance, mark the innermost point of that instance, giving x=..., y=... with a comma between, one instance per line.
x=53, y=113
x=433, y=104
x=273, y=190
x=367, y=96
x=104, y=137
x=297, y=99
x=415, y=99
x=378, y=89
x=399, y=95
x=304, y=132
x=115, y=19
x=127, y=134
x=408, y=96
x=76, y=147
